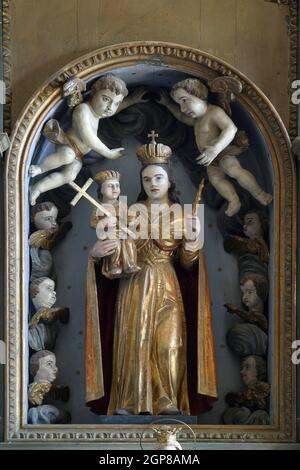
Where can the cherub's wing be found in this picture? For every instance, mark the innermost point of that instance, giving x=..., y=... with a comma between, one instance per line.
x=39, y=239
x=73, y=89
x=226, y=88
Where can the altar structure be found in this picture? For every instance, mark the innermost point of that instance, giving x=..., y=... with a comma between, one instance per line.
x=242, y=283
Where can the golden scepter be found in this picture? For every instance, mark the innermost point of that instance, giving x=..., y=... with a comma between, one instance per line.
x=198, y=196
x=206, y=376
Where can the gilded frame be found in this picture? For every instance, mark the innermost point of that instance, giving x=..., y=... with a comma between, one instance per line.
x=194, y=62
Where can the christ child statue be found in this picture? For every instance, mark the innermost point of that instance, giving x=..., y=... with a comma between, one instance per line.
x=123, y=259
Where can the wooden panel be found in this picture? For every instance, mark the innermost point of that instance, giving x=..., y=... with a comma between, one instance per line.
x=262, y=49
x=43, y=40
x=252, y=35
x=89, y=24
x=169, y=20
x=218, y=35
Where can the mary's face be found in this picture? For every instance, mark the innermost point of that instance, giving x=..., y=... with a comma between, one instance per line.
x=156, y=182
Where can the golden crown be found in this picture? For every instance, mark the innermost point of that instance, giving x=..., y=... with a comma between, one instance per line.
x=102, y=176
x=154, y=153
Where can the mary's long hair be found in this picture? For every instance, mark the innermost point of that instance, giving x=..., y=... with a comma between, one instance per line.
x=172, y=189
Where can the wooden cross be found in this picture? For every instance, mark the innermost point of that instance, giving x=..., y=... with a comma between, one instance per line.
x=152, y=135
x=81, y=192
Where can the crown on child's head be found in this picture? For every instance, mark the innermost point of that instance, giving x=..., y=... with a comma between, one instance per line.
x=102, y=176
x=154, y=153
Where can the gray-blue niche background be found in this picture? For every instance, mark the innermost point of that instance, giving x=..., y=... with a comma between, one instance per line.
x=70, y=257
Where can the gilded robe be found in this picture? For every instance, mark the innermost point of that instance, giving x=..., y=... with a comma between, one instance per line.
x=149, y=350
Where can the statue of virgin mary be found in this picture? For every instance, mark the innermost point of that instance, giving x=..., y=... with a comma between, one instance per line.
x=149, y=338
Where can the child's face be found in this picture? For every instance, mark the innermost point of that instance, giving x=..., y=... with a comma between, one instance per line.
x=46, y=220
x=46, y=296
x=249, y=294
x=110, y=190
x=252, y=226
x=249, y=372
x=106, y=102
x=189, y=104
x=47, y=369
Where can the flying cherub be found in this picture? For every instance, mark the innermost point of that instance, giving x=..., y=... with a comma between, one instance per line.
x=218, y=139
x=106, y=99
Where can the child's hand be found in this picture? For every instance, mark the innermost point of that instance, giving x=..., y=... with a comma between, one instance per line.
x=111, y=222
x=163, y=97
x=138, y=96
x=192, y=227
x=207, y=156
x=231, y=308
x=103, y=248
x=106, y=228
x=116, y=153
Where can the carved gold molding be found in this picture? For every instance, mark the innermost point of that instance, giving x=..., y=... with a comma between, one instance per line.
x=282, y=2
x=7, y=67
x=294, y=57
x=194, y=62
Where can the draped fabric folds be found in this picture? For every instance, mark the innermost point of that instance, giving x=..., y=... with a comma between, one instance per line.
x=150, y=340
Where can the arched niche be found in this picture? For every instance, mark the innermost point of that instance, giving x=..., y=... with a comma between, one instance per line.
x=153, y=64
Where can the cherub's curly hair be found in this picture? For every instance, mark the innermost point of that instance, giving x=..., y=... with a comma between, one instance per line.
x=43, y=206
x=260, y=283
x=35, y=285
x=112, y=83
x=193, y=87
